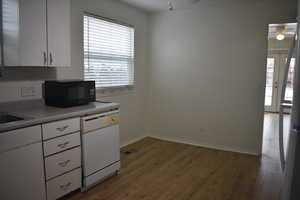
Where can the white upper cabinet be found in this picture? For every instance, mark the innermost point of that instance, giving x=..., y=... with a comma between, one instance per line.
x=59, y=33
x=36, y=33
x=24, y=32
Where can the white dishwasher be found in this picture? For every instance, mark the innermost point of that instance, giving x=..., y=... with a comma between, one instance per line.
x=100, y=147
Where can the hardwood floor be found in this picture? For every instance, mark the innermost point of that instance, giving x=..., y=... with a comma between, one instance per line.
x=161, y=170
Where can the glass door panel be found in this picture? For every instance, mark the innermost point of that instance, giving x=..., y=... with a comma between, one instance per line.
x=269, y=81
x=274, y=79
x=271, y=91
x=290, y=81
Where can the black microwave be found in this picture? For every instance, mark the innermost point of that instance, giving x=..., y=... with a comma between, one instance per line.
x=69, y=93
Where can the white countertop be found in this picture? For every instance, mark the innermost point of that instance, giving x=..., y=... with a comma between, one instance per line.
x=36, y=112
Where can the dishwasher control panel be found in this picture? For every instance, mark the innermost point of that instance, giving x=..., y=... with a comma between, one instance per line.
x=97, y=121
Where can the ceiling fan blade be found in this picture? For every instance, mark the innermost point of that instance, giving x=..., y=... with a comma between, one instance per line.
x=194, y=1
x=180, y=4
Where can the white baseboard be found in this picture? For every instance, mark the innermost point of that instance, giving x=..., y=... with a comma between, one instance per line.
x=133, y=141
x=209, y=146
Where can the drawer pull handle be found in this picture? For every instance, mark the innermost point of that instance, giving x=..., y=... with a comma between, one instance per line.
x=63, y=145
x=66, y=186
x=61, y=129
x=64, y=164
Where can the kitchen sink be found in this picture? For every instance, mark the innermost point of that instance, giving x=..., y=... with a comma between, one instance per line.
x=6, y=118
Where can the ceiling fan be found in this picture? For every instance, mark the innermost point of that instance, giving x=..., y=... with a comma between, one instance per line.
x=172, y=4
x=280, y=34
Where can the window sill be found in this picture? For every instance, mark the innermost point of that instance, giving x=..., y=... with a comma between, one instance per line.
x=114, y=91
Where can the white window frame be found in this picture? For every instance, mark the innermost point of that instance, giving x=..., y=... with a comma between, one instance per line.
x=131, y=70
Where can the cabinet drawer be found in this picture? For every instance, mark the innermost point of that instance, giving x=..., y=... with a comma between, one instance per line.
x=64, y=184
x=59, y=128
x=20, y=137
x=61, y=143
x=63, y=162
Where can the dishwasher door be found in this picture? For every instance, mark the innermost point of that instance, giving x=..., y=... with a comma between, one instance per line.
x=101, y=148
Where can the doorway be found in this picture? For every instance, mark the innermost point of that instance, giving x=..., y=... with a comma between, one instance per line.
x=278, y=49
x=280, y=39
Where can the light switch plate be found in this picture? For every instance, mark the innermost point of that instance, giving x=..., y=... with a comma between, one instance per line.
x=28, y=91
x=12, y=91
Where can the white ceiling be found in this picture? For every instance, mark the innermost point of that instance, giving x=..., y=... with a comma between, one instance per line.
x=159, y=5
x=162, y=5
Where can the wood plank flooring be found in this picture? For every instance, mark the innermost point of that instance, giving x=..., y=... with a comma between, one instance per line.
x=161, y=170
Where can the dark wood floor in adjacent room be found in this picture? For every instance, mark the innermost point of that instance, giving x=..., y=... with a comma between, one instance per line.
x=161, y=170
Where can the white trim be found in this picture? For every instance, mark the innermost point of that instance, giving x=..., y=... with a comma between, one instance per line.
x=209, y=146
x=133, y=141
x=113, y=93
x=108, y=19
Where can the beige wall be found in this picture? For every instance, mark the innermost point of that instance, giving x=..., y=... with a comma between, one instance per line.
x=208, y=72
x=205, y=84
x=132, y=101
x=27, y=73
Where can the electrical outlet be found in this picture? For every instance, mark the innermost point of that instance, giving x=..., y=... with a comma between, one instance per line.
x=28, y=91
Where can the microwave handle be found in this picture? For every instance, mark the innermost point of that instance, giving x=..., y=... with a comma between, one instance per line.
x=45, y=57
x=51, y=59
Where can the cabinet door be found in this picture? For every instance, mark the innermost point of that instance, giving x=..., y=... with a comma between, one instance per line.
x=59, y=33
x=22, y=173
x=24, y=32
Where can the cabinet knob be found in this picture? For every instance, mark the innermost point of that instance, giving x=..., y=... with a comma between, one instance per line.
x=64, y=164
x=61, y=129
x=66, y=186
x=63, y=145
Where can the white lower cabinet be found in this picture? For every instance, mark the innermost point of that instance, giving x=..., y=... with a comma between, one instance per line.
x=61, y=144
x=46, y=169
x=60, y=128
x=63, y=162
x=22, y=173
x=62, y=156
x=64, y=184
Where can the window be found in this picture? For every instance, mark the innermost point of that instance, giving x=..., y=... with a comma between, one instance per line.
x=290, y=81
x=269, y=81
x=108, y=52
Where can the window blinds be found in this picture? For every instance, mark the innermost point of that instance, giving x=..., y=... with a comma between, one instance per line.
x=108, y=52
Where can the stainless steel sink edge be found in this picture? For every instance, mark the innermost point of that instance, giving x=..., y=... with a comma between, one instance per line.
x=6, y=117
